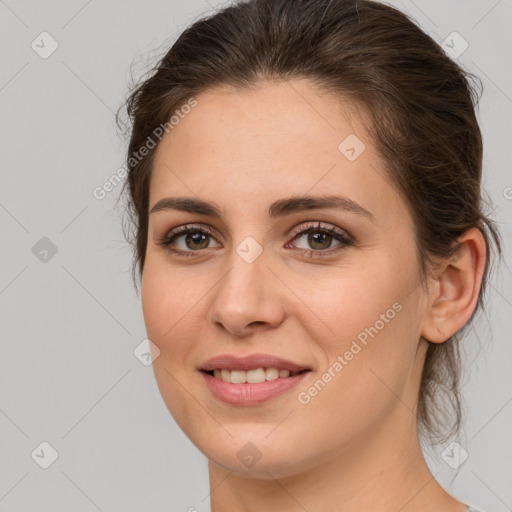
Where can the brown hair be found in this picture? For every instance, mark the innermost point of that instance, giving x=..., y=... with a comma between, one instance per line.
x=421, y=107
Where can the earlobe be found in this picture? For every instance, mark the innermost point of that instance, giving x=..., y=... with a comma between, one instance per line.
x=457, y=287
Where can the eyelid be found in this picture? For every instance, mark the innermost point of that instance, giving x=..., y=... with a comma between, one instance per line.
x=321, y=226
x=189, y=227
x=183, y=230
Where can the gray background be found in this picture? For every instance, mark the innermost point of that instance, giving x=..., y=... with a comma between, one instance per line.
x=70, y=324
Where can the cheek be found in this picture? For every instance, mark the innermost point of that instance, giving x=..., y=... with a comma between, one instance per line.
x=168, y=297
x=167, y=307
x=374, y=331
x=351, y=303
x=175, y=310
x=361, y=384
x=155, y=308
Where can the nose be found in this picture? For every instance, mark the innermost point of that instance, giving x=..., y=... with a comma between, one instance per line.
x=248, y=297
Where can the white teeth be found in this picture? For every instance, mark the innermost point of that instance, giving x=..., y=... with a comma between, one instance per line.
x=251, y=376
x=271, y=374
x=254, y=376
x=238, y=376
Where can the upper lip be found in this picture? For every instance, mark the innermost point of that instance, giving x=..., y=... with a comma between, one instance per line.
x=250, y=362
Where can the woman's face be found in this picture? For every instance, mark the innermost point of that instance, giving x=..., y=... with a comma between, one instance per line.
x=347, y=306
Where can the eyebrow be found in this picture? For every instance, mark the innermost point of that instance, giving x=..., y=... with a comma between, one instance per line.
x=277, y=209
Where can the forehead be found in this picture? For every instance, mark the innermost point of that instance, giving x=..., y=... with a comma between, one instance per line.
x=270, y=141
x=269, y=121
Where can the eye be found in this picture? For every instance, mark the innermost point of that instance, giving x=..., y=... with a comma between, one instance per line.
x=193, y=239
x=319, y=239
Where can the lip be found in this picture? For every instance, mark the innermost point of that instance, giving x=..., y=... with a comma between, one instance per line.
x=250, y=362
x=248, y=394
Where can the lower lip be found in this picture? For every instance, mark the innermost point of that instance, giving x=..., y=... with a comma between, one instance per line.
x=250, y=394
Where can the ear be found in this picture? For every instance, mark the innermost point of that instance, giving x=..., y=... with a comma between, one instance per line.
x=455, y=289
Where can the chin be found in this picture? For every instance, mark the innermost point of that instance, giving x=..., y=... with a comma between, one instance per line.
x=262, y=459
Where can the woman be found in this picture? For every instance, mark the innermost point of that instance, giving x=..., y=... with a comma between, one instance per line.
x=304, y=183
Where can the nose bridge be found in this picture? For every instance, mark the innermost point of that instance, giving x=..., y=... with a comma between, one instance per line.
x=247, y=293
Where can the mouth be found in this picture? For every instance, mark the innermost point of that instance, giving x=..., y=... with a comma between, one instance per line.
x=251, y=380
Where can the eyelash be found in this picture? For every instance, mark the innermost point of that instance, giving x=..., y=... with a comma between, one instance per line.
x=339, y=235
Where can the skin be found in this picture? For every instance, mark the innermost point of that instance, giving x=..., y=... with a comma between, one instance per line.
x=354, y=446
